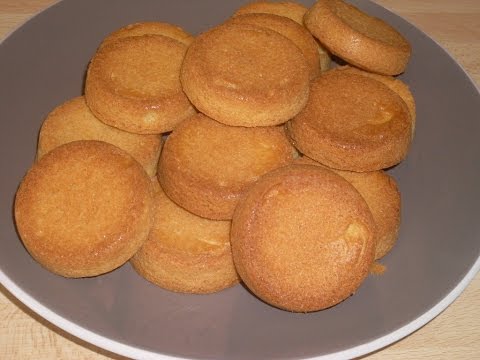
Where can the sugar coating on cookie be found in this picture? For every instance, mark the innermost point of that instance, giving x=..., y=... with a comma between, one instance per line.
x=291, y=30
x=352, y=122
x=358, y=38
x=84, y=209
x=150, y=28
x=73, y=120
x=205, y=165
x=133, y=83
x=289, y=9
x=302, y=238
x=382, y=195
x=245, y=75
x=184, y=252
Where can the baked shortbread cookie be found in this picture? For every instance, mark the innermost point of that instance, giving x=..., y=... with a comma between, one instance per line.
x=205, y=165
x=394, y=84
x=73, y=120
x=352, y=122
x=382, y=196
x=358, y=38
x=245, y=75
x=84, y=209
x=303, y=238
x=289, y=9
x=184, y=252
x=298, y=34
x=133, y=83
x=150, y=28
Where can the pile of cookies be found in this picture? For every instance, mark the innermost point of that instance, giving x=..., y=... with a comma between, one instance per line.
x=241, y=154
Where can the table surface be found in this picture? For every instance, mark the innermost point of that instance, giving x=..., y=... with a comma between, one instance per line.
x=454, y=334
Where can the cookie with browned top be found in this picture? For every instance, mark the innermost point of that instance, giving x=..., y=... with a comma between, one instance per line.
x=73, y=120
x=358, y=38
x=245, y=75
x=84, y=208
x=150, y=28
x=303, y=238
x=133, y=83
x=184, y=252
x=205, y=165
x=380, y=191
x=289, y=9
x=291, y=30
x=352, y=122
x=392, y=83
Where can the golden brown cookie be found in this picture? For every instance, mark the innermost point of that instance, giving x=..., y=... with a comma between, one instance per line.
x=289, y=9
x=244, y=75
x=291, y=30
x=84, y=209
x=73, y=120
x=151, y=28
x=382, y=196
x=358, y=38
x=394, y=84
x=205, y=165
x=184, y=252
x=133, y=84
x=302, y=238
x=352, y=122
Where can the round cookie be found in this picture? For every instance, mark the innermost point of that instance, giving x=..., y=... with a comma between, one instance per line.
x=184, y=252
x=352, y=122
x=289, y=9
x=133, y=83
x=382, y=196
x=291, y=30
x=73, y=120
x=358, y=38
x=84, y=209
x=302, y=238
x=205, y=165
x=150, y=28
x=244, y=75
x=393, y=84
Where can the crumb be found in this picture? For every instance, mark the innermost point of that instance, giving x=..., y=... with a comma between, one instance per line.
x=377, y=268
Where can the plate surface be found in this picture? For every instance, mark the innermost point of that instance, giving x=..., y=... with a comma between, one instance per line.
x=43, y=64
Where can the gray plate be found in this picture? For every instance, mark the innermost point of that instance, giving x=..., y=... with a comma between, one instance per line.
x=42, y=64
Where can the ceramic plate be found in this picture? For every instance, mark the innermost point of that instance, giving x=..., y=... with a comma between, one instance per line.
x=43, y=64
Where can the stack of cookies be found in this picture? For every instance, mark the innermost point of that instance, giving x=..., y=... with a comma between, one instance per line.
x=272, y=171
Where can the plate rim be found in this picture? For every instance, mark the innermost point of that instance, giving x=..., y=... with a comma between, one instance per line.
x=133, y=352
x=138, y=353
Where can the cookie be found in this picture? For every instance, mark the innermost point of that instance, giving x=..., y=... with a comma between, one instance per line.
x=150, y=28
x=133, y=84
x=244, y=75
x=73, y=120
x=352, y=122
x=84, y=208
x=382, y=196
x=289, y=9
x=394, y=84
x=358, y=38
x=184, y=252
x=205, y=165
x=303, y=239
x=291, y=30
